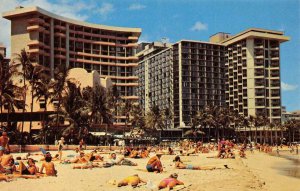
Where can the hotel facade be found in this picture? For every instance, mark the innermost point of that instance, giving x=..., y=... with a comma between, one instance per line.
x=54, y=40
x=241, y=71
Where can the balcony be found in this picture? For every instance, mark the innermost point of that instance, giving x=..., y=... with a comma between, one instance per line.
x=274, y=64
x=259, y=62
x=36, y=21
x=274, y=73
x=35, y=28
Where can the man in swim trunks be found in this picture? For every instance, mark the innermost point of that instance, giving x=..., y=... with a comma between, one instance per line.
x=132, y=180
x=154, y=163
x=4, y=143
x=170, y=182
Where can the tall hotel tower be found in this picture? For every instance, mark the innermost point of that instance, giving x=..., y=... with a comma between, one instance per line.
x=56, y=40
x=253, y=71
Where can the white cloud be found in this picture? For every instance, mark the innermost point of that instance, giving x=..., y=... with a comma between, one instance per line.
x=288, y=87
x=199, y=26
x=105, y=9
x=76, y=10
x=144, y=38
x=136, y=6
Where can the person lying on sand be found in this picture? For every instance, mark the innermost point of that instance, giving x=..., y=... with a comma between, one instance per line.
x=131, y=180
x=120, y=161
x=144, y=153
x=49, y=166
x=5, y=178
x=90, y=165
x=4, y=160
x=154, y=163
x=31, y=169
x=180, y=165
x=9, y=168
x=170, y=182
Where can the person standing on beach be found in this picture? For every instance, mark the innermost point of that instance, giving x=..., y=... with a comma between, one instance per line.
x=4, y=143
x=61, y=146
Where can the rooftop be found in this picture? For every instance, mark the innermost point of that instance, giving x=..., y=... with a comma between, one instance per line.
x=257, y=32
x=20, y=11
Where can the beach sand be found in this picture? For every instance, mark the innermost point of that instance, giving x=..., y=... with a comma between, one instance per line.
x=254, y=173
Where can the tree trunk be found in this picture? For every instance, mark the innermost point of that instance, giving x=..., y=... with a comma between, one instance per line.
x=271, y=136
x=30, y=116
x=256, y=134
x=208, y=133
x=24, y=108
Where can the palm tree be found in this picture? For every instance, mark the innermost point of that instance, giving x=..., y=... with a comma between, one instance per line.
x=58, y=89
x=24, y=60
x=41, y=92
x=153, y=120
x=127, y=109
x=9, y=93
x=35, y=75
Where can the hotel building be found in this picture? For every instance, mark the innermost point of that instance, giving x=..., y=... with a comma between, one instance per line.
x=253, y=71
x=155, y=72
x=184, y=77
x=240, y=71
x=56, y=40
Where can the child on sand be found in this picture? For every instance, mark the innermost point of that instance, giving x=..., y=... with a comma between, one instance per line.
x=170, y=182
x=49, y=166
x=131, y=180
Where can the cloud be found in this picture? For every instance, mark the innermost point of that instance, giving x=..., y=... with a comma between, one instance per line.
x=78, y=10
x=288, y=87
x=199, y=26
x=136, y=6
x=105, y=9
x=144, y=38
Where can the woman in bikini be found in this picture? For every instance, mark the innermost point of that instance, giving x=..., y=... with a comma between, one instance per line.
x=131, y=180
x=180, y=165
x=170, y=182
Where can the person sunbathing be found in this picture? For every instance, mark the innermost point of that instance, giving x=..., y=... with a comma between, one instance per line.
x=170, y=182
x=134, y=153
x=5, y=159
x=120, y=161
x=180, y=165
x=9, y=168
x=4, y=177
x=94, y=157
x=154, y=163
x=131, y=180
x=49, y=166
x=31, y=169
x=144, y=153
x=170, y=151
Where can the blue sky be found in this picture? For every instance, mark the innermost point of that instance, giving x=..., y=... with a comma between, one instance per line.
x=190, y=19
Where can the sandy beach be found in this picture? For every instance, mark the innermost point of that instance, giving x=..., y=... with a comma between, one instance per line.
x=257, y=172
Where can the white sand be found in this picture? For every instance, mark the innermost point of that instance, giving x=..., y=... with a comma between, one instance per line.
x=245, y=175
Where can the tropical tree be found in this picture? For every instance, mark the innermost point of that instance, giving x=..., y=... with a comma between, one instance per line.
x=58, y=90
x=153, y=120
x=9, y=93
x=36, y=74
x=24, y=60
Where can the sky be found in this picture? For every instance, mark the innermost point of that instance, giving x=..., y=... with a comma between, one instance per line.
x=174, y=20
